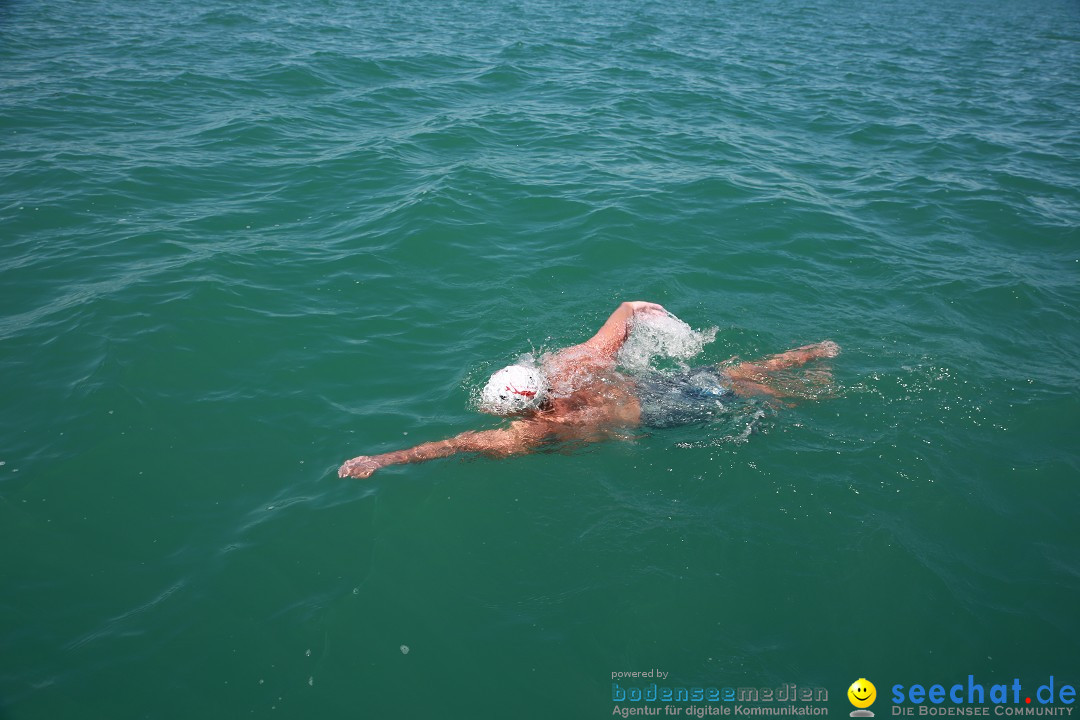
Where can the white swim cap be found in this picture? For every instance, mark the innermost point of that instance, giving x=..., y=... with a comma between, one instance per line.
x=513, y=389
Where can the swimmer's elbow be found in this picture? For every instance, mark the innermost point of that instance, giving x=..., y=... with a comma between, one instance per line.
x=612, y=334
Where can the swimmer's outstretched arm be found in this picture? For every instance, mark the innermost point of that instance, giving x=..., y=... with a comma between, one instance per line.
x=519, y=438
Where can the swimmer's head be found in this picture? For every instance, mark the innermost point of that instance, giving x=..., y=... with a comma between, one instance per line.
x=512, y=390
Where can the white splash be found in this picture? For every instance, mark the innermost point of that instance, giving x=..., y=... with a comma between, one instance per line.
x=655, y=336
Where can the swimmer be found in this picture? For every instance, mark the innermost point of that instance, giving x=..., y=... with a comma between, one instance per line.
x=577, y=395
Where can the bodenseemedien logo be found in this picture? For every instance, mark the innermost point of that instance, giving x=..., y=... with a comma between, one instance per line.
x=862, y=694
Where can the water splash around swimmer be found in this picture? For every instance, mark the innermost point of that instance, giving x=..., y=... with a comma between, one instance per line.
x=657, y=340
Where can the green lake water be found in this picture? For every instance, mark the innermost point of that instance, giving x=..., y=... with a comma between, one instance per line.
x=242, y=242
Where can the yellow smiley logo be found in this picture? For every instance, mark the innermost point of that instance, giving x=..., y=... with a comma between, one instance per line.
x=862, y=693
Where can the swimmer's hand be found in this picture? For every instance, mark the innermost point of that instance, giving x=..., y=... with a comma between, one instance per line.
x=640, y=306
x=359, y=467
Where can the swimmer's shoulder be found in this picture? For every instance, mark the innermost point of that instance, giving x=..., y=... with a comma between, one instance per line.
x=576, y=359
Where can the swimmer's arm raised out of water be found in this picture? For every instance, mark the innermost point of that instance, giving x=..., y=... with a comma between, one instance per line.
x=612, y=334
x=520, y=437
